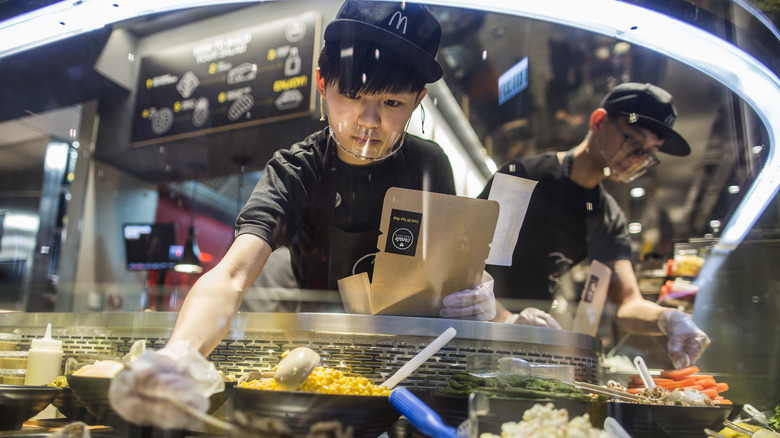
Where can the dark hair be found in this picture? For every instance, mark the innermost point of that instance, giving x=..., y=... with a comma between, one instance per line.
x=371, y=69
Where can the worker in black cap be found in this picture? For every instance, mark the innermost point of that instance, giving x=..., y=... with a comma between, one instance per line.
x=571, y=217
x=322, y=197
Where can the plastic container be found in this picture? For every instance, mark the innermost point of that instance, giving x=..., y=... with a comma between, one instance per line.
x=12, y=377
x=44, y=360
x=8, y=341
x=13, y=359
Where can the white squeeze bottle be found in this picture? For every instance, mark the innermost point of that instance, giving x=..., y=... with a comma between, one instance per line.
x=44, y=360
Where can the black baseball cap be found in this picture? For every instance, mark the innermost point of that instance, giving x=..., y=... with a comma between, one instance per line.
x=408, y=29
x=651, y=107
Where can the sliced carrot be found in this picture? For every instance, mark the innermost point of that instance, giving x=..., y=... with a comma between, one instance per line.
x=635, y=379
x=681, y=373
x=702, y=376
x=722, y=387
x=686, y=383
x=675, y=384
x=634, y=390
x=660, y=380
x=707, y=383
x=696, y=387
x=711, y=392
x=724, y=401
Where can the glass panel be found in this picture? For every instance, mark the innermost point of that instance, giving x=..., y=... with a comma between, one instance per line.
x=168, y=120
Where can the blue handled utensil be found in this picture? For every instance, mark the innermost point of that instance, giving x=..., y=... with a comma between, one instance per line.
x=421, y=415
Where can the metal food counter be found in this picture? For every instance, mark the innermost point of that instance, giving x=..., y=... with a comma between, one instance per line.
x=373, y=346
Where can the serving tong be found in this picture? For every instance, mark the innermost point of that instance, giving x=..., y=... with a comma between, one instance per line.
x=609, y=392
x=202, y=416
x=742, y=430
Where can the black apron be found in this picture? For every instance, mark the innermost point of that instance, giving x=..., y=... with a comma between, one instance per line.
x=334, y=253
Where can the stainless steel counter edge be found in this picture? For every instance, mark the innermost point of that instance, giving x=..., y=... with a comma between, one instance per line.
x=339, y=323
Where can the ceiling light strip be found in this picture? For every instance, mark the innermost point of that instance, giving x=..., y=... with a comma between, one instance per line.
x=70, y=18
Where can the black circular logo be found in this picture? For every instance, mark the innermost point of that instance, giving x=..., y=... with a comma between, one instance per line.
x=403, y=238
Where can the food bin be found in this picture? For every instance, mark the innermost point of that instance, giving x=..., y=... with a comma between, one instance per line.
x=16, y=360
x=12, y=376
x=8, y=341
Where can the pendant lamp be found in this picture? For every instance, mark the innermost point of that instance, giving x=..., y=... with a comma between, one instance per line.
x=190, y=258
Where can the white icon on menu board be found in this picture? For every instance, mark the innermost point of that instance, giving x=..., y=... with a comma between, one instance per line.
x=295, y=31
x=242, y=73
x=201, y=112
x=187, y=84
x=240, y=106
x=161, y=119
x=292, y=66
x=289, y=99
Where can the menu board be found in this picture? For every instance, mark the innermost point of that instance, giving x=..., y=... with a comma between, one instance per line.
x=242, y=78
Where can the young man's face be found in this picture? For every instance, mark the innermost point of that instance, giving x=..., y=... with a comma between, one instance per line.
x=628, y=150
x=368, y=127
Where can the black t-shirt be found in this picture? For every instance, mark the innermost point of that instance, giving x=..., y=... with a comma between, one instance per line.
x=306, y=194
x=565, y=224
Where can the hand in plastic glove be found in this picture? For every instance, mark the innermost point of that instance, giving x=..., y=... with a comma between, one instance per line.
x=533, y=316
x=686, y=341
x=477, y=304
x=140, y=393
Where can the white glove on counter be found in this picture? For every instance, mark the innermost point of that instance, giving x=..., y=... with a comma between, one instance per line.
x=686, y=341
x=533, y=316
x=139, y=394
x=477, y=304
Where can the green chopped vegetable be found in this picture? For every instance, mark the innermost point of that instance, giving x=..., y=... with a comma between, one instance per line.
x=774, y=422
x=515, y=386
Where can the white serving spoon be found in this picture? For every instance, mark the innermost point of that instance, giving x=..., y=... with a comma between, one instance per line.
x=689, y=396
x=295, y=368
x=419, y=359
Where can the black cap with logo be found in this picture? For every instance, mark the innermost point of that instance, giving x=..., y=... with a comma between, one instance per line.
x=408, y=29
x=651, y=107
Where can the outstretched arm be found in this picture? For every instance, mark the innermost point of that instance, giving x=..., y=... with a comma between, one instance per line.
x=634, y=313
x=214, y=299
x=686, y=341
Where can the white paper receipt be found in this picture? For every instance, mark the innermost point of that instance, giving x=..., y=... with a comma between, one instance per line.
x=513, y=195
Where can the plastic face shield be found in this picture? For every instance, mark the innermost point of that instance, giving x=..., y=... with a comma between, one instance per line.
x=631, y=161
x=367, y=132
x=366, y=143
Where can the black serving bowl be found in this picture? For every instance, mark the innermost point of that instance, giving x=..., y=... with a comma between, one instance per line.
x=70, y=406
x=19, y=403
x=367, y=415
x=660, y=421
x=92, y=392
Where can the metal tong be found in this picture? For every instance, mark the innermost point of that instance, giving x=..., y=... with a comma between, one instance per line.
x=609, y=392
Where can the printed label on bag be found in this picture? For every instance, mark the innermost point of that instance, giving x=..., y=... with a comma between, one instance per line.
x=403, y=232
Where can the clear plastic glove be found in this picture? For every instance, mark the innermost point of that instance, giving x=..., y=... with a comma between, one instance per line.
x=140, y=393
x=686, y=341
x=476, y=304
x=77, y=429
x=533, y=316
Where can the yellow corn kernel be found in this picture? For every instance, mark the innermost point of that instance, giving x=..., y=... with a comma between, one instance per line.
x=326, y=381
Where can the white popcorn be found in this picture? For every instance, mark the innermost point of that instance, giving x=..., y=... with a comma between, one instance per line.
x=544, y=421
